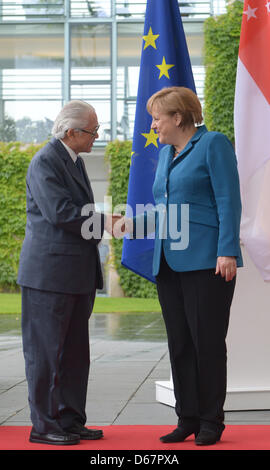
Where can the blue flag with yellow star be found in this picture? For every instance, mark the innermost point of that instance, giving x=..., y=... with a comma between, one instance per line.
x=165, y=62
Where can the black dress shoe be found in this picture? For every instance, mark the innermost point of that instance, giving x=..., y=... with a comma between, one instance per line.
x=178, y=435
x=54, y=438
x=85, y=433
x=207, y=437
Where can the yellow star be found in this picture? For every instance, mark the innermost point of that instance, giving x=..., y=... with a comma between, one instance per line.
x=150, y=39
x=151, y=138
x=164, y=68
x=132, y=153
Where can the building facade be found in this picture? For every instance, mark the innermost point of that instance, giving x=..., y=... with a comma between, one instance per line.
x=52, y=51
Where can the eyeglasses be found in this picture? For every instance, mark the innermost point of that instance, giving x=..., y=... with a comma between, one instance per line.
x=93, y=133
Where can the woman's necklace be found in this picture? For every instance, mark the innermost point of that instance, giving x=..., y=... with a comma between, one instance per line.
x=176, y=152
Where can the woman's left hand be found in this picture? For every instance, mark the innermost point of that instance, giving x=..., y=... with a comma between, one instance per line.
x=226, y=267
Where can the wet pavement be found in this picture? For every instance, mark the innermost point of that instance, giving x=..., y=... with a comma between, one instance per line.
x=112, y=327
x=128, y=355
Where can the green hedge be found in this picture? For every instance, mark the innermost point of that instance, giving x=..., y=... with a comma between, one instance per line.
x=221, y=36
x=119, y=154
x=14, y=161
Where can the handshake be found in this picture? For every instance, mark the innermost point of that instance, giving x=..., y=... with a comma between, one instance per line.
x=117, y=225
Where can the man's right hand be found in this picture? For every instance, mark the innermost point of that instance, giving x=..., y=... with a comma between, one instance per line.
x=122, y=227
x=117, y=225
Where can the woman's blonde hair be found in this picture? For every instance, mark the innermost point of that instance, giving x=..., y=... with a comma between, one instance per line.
x=180, y=100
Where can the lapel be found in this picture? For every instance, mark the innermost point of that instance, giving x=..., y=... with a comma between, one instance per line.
x=200, y=131
x=72, y=168
x=87, y=181
x=168, y=159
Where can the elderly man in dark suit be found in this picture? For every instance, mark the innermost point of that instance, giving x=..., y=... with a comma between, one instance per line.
x=59, y=273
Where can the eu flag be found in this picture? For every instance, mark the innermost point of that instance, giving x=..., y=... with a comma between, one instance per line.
x=165, y=62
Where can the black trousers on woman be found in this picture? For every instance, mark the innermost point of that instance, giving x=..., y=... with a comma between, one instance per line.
x=196, y=309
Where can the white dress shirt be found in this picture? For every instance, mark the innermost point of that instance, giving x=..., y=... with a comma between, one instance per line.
x=70, y=151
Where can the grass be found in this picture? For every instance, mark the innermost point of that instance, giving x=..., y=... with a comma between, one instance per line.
x=11, y=303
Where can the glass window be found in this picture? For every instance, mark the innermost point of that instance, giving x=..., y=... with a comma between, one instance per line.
x=31, y=80
x=91, y=71
x=23, y=10
x=195, y=42
x=90, y=8
x=130, y=8
x=128, y=68
x=188, y=8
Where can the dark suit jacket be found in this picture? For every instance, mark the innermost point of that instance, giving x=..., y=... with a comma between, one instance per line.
x=55, y=256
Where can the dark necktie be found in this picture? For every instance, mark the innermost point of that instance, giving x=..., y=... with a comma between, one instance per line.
x=78, y=164
x=82, y=171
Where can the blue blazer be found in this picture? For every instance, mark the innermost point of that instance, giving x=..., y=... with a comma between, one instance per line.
x=54, y=256
x=198, y=205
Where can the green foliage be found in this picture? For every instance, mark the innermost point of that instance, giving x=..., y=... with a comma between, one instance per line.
x=119, y=156
x=10, y=303
x=14, y=162
x=222, y=34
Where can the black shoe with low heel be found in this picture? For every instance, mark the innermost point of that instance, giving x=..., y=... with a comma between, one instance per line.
x=178, y=435
x=207, y=437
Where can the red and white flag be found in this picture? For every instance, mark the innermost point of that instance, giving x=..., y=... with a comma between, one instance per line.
x=252, y=131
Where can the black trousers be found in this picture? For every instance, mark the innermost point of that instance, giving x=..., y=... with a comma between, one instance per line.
x=196, y=309
x=57, y=357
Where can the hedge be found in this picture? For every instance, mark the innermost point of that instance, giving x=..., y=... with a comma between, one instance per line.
x=221, y=38
x=14, y=161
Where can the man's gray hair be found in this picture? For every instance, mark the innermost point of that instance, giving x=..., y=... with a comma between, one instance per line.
x=74, y=115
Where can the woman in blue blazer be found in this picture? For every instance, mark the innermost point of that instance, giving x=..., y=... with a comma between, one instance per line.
x=196, y=255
